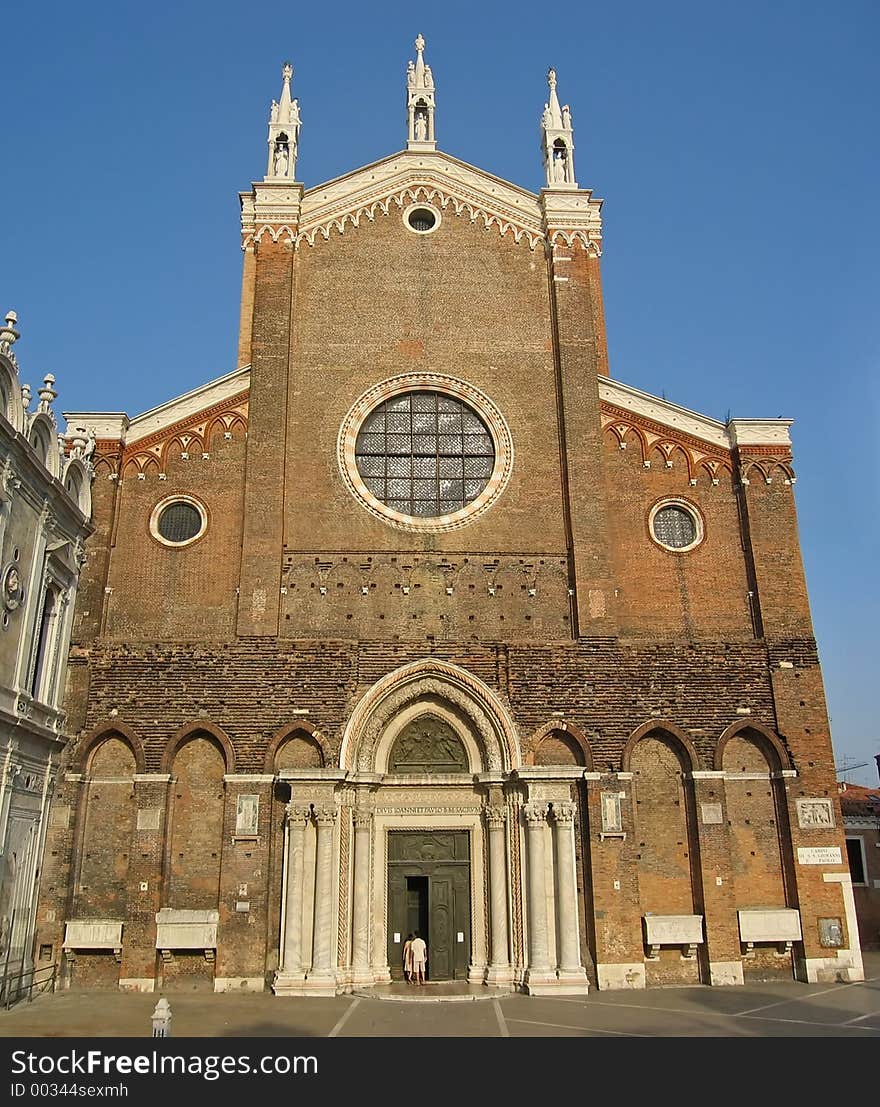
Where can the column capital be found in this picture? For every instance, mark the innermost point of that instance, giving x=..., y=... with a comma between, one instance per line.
x=361, y=817
x=495, y=816
x=564, y=813
x=535, y=813
x=325, y=816
x=298, y=813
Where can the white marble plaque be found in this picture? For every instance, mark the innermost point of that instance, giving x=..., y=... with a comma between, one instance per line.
x=612, y=817
x=247, y=815
x=814, y=813
x=769, y=924
x=92, y=934
x=673, y=930
x=711, y=812
x=59, y=817
x=148, y=818
x=181, y=929
x=819, y=855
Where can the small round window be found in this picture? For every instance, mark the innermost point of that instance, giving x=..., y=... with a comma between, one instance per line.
x=676, y=526
x=422, y=218
x=178, y=521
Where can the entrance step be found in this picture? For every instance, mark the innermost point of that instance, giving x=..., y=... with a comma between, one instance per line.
x=441, y=991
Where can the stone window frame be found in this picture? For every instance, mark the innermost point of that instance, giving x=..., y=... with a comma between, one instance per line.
x=421, y=382
x=863, y=883
x=167, y=501
x=420, y=206
x=691, y=509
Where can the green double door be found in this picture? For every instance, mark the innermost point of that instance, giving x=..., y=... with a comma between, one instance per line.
x=429, y=875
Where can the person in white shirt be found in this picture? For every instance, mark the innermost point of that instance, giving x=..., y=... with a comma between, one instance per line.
x=419, y=953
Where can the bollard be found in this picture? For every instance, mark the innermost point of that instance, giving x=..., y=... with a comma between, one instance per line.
x=162, y=1019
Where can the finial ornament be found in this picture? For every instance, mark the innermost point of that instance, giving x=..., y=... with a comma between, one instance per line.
x=557, y=140
x=284, y=128
x=420, y=102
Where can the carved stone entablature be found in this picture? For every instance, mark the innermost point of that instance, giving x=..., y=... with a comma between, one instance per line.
x=435, y=810
x=573, y=217
x=276, y=210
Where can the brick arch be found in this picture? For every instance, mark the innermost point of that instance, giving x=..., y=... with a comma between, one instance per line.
x=560, y=726
x=103, y=465
x=99, y=735
x=737, y=728
x=669, y=730
x=192, y=730
x=290, y=730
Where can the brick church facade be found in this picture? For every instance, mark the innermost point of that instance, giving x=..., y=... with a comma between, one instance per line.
x=419, y=620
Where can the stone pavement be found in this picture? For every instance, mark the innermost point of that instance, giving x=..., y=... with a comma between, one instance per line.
x=788, y=1009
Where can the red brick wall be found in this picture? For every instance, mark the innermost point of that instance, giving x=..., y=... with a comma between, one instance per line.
x=196, y=825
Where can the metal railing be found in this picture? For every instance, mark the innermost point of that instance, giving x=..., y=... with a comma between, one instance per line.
x=25, y=984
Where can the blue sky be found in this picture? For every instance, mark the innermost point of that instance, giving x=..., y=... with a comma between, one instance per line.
x=735, y=147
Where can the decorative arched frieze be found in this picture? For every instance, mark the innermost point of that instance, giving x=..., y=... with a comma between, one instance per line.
x=291, y=730
x=192, y=730
x=467, y=696
x=185, y=436
x=624, y=435
x=590, y=241
x=572, y=730
x=476, y=210
x=662, y=728
x=98, y=736
x=742, y=727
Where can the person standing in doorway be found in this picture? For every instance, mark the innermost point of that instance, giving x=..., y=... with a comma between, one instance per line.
x=407, y=959
x=419, y=958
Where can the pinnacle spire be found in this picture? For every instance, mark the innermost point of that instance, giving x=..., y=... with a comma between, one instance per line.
x=420, y=102
x=284, y=128
x=557, y=140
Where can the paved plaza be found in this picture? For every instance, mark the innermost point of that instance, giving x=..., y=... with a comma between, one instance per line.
x=787, y=1009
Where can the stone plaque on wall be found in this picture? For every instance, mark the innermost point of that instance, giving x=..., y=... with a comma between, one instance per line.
x=59, y=817
x=711, y=812
x=148, y=818
x=247, y=815
x=819, y=855
x=815, y=813
x=612, y=816
x=831, y=933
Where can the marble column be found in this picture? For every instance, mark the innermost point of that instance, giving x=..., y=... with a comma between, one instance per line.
x=322, y=977
x=570, y=969
x=360, y=945
x=538, y=972
x=500, y=971
x=296, y=839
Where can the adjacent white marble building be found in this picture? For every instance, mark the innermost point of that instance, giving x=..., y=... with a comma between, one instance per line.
x=45, y=504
